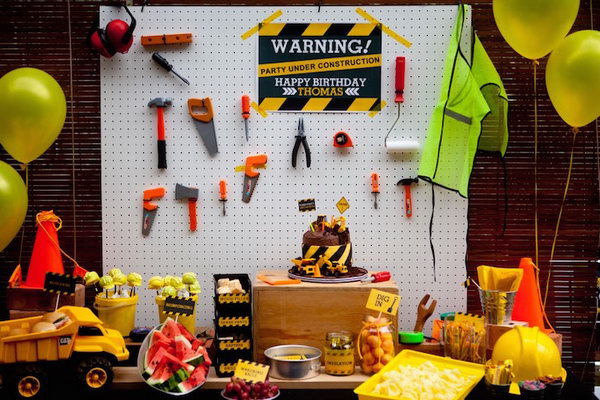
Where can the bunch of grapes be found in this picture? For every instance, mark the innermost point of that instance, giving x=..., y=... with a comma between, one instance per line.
x=238, y=389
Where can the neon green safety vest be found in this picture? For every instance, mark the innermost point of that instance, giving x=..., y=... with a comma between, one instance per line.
x=470, y=115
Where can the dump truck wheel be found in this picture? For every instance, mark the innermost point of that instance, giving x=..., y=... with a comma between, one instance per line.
x=95, y=373
x=30, y=382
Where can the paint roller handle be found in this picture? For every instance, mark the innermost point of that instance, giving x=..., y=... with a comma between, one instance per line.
x=400, y=72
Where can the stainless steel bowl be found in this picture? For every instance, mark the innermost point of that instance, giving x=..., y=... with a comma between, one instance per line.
x=293, y=369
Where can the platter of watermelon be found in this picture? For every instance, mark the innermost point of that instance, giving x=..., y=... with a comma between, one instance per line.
x=172, y=360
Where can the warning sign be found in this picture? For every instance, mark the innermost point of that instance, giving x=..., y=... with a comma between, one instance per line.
x=319, y=67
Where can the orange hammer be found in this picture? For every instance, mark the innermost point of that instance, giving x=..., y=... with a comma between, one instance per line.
x=406, y=182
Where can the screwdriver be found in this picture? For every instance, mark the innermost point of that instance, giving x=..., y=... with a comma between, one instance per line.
x=165, y=64
x=246, y=112
x=375, y=186
x=223, y=193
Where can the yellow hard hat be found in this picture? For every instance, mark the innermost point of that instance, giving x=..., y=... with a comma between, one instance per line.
x=533, y=353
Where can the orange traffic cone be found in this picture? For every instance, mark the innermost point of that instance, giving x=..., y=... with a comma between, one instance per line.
x=46, y=255
x=528, y=304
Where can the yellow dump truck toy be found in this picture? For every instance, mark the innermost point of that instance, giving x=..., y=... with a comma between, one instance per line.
x=31, y=349
x=307, y=266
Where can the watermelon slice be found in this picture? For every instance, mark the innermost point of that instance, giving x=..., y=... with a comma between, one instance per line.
x=159, y=336
x=160, y=375
x=182, y=346
x=197, y=343
x=153, y=361
x=176, y=378
x=175, y=364
x=197, y=378
x=185, y=332
x=170, y=329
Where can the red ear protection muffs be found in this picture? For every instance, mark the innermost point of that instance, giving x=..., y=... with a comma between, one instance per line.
x=116, y=38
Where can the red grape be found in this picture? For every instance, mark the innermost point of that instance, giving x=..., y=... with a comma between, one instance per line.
x=275, y=389
x=237, y=388
x=229, y=388
x=244, y=396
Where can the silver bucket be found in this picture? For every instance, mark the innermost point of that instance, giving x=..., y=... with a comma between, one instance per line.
x=497, y=306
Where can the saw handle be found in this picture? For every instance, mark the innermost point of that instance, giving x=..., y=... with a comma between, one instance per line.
x=150, y=194
x=251, y=161
x=400, y=72
x=201, y=103
x=192, y=212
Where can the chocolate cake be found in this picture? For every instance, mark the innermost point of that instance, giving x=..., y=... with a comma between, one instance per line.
x=329, y=239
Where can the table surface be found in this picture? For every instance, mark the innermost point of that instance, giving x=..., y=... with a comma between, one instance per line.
x=280, y=274
x=125, y=376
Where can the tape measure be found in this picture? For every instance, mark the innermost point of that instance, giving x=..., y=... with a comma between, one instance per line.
x=342, y=139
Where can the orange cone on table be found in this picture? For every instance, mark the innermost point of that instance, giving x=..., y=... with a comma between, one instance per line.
x=46, y=255
x=528, y=305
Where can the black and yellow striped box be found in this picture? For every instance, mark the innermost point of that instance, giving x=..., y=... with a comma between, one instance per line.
x=319, y=67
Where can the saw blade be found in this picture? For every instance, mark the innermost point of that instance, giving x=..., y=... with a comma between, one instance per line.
x=249, y=185
x=208, y=135
x=147, y=221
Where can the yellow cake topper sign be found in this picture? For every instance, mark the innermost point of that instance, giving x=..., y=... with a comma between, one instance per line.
x=383, y=302
x=342, y=205
x=251, y=371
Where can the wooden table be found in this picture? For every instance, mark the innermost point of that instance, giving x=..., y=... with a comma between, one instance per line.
x=125, y=377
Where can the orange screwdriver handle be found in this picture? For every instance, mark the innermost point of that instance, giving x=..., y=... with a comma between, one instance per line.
x=246, y=106
x=407, y=201
x=201, y=103
x=223, y=189
x=374, y=182
x=251, y=161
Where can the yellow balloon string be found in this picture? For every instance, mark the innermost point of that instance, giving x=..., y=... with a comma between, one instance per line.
x=535, y=152
x=26, y=169
x=560, y=212
x=369, y=326
x=46, y=216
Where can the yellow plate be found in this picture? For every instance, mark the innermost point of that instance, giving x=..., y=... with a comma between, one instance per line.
x=415, y=358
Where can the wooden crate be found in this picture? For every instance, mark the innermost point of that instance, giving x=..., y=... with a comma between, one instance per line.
x=304, y=313
x=29, y=302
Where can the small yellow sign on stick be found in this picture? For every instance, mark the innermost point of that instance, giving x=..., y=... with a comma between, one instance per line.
x=383, y=302
x=342, y=205
x=250, y=371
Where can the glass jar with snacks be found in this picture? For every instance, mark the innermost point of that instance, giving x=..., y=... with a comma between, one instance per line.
x=464, y=341
x=339, y=353
x=376, y=345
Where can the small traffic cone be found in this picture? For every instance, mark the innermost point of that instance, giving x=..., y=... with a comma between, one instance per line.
x=46, y=255
x=528, y=305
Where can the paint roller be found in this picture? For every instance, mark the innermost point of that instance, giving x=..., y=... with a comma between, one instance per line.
x=400, y=145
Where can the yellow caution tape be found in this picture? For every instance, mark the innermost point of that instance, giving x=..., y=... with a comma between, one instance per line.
x=242, y=168
x=374, y=112
x=259, y=110
x=255, y=29
x=384, y=28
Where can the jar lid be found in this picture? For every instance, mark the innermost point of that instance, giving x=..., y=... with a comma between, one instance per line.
x=345, y=336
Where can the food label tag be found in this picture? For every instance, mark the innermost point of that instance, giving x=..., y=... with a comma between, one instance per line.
x=383, y=302
x=342, y=205
x=60, y=283
x=175, y=305
x=251, y=371
x=307, y=205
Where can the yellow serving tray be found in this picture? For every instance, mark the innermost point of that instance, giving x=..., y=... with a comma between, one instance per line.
x=415, y=358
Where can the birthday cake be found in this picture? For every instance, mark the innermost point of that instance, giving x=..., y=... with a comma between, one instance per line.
x=326, y=253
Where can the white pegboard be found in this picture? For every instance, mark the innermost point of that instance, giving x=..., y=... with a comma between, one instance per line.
x=267, y=232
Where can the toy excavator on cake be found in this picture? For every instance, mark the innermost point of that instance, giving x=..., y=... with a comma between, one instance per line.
x=308, y=267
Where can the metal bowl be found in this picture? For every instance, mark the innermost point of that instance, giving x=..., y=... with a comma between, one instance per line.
x=281, y=368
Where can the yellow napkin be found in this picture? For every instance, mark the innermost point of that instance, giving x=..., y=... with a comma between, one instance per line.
x=502, y=279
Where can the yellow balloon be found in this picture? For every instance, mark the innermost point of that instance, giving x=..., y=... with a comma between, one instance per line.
x=33, y=110
x=573, y=78
x=534, y=27
x=13, y=203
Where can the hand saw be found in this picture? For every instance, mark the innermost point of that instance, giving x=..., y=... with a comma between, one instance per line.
x=205, y=123
x=251, y=175
x=150, y=208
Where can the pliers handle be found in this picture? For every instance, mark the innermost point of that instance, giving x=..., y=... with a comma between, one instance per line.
x=301, y=138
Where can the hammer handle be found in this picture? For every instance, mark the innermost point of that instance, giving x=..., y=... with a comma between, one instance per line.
x=162, y=144
x=407, y=201
x=192, y=212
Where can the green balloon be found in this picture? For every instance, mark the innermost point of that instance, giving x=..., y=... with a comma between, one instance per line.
x=13, y=203
x=33, y=112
